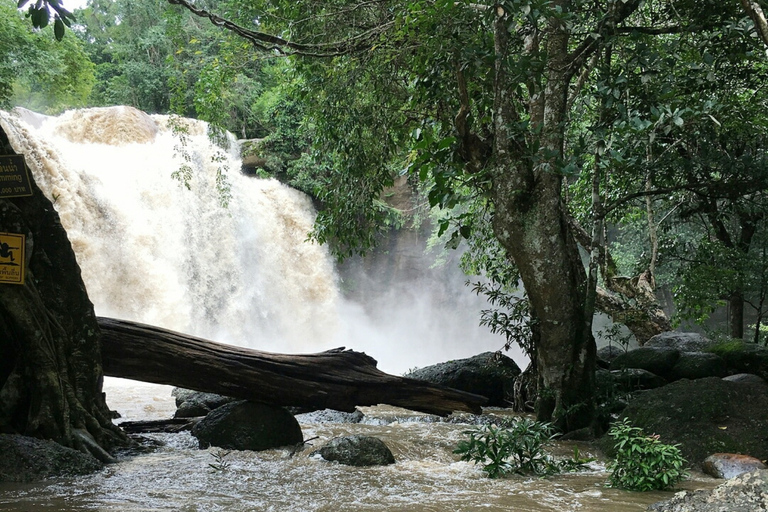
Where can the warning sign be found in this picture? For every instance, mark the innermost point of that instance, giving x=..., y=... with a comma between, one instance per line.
x=12, y=258
x=14, y=177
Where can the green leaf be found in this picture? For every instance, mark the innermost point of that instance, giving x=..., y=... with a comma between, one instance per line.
x=58, y=29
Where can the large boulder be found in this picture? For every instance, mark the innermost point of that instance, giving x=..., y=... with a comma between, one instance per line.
x=743, y=357
x=682, y=341
x=745, y=493
x=729, y=465
x=26, y=459
x=489, y=374
x=705, y=416
x=697, y=365
x=657, y=360
x=356, y=451
x=247, y=425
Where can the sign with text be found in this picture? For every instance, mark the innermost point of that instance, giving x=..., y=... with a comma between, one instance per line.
x=14, y=177
x=12, y=258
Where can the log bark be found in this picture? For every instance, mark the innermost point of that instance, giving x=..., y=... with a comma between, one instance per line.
x=336, y=379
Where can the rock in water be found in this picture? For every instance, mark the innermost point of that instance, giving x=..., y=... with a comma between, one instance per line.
x=729, y=465
x=357, y=451
x=26, y=459
x=248, y=426
x=745, y=493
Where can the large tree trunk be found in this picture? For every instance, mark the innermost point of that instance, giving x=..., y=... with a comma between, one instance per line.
x=531, y=224
x=337, y=379
x=50, y=359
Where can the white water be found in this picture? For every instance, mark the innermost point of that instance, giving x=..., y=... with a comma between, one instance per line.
x=154, y=252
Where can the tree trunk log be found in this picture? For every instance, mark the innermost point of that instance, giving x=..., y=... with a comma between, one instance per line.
x=337, y=379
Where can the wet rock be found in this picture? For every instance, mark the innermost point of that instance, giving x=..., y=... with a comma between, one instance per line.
x=745, y=493
x=746, y=378
x=489, y=374
x=634, y=379
x=607, y=354
x=657, y=360
x=742, y=357
x=705, y=416
x=729, y=465
x=246, y=425
x=682, y=341
x=697, y=365
x=357, y=451
x=330, y=416
x=191, y=404
x=26, y=459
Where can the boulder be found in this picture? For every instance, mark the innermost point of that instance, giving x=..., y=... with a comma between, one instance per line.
x=607, y=354
x=191, y=404
x=657, y=360
x=745, y=493
x=331, y=416
x=247, y=425
x=743, y=357
x=682, y=341
x=634, y=379
x=746, y=378
x=729, y=465
x=356, y=451
x=705, y=416
x=490, y=374
x=26, y=459
x=697, y=365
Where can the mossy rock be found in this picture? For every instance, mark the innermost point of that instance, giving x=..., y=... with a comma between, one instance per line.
x=705, y=416
x=743, y=357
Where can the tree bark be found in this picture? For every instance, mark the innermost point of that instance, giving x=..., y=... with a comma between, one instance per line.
x=531, y=223
x=50, y=359
x=337, y=379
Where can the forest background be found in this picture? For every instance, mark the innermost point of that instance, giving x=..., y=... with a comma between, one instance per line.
x=661, y=168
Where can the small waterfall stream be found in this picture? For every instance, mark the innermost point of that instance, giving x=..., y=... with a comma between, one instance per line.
x=153, y=251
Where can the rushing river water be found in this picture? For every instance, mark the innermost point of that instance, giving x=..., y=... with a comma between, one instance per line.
x=427, y=476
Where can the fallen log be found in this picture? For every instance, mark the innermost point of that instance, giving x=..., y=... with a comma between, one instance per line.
x=336, y=379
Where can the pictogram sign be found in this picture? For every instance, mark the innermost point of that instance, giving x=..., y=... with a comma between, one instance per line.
x=12, y=258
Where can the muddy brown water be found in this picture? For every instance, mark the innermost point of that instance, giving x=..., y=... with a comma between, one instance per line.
x=426, y=477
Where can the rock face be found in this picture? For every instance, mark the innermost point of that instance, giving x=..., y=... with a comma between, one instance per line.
x=246, y=425
x=489, y=374
x=743, y=357
x=657, y=360
x=729, y=465
x=745, y=493
x=357, y=451
x=26, y=459
x=705, y=416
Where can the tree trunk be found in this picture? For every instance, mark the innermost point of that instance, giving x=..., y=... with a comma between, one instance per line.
x=337, y=379
x=50, y=359
x=531, y=223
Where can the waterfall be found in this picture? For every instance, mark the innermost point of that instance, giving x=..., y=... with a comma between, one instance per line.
x=155, y=252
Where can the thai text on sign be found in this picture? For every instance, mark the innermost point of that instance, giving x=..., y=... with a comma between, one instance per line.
x=14, y=177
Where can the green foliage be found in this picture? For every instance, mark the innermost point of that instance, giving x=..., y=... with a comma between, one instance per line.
x=515, y=447
x=38, y=72
x=643, y=462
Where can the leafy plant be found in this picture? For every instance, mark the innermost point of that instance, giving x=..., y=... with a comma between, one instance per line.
x=219, y=460
x=643, y=462
x=516, y=447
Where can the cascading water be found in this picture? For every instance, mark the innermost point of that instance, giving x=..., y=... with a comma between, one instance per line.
x=156, y=252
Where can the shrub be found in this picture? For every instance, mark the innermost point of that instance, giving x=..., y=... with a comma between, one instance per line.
x=643, y=462
x=515, y=447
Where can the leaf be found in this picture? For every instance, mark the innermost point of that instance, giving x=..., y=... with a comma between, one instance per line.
x=58, y=29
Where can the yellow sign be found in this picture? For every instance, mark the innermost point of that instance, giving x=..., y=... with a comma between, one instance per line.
x=12, y=258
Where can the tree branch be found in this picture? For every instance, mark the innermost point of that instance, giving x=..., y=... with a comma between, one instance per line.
x=758, y=17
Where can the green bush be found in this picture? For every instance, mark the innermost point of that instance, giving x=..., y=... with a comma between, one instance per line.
x=515, y=447
x=643, y=462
